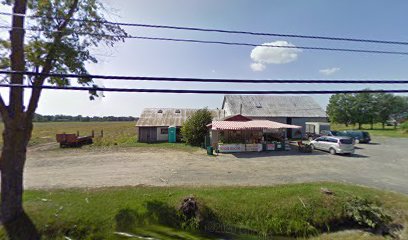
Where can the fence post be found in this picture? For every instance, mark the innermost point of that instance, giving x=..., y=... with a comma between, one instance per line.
x=93, y=133
x=102, y=133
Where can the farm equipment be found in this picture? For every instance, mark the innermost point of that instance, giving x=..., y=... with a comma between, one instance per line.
x=73, y=140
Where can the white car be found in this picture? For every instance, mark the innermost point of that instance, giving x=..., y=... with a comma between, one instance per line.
x=334, y=145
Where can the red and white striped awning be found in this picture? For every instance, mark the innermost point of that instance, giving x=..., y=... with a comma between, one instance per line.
x=249, y=125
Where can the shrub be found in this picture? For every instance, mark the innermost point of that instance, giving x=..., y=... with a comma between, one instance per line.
x=404, y=126
x=366, y=213
x=195, y=129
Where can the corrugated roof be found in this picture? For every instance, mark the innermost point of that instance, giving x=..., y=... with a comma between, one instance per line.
x=272, y=106
x=249, y=125
x=152, y=117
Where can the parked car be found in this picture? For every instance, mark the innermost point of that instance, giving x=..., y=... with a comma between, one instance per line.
x=311, y=136
x=359, y=136
x=334, y=144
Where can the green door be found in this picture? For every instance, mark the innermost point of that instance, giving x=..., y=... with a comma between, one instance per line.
x=172, y=134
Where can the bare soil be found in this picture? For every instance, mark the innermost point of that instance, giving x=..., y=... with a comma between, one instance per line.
x=382, y=164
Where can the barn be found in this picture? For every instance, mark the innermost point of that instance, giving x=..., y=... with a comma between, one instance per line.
x=154, y=123
x=294, y=110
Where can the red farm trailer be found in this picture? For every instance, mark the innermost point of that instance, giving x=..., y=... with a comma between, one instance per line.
x=72, y=140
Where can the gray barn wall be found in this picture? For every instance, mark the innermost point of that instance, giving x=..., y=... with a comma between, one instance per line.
x=295, y=121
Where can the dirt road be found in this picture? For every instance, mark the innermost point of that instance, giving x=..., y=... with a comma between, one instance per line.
x=383, y=164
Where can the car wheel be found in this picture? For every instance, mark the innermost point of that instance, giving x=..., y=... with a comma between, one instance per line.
x=332, y=151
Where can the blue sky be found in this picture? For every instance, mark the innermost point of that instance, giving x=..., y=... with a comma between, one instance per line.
x=385, y=20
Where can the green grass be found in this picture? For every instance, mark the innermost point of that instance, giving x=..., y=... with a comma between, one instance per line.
x=389, y=131
x=121, y=134
x=150, y=211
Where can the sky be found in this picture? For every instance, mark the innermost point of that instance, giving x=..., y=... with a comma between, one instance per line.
x=382, y=20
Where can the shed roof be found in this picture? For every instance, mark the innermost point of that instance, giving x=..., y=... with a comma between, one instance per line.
x=272, y=106
x=249, y=125
x=156, y=117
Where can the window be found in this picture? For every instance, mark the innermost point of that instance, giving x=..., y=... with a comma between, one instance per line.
x=178, y=111
x=346, y=141
x=164, y=131
x=160, y=111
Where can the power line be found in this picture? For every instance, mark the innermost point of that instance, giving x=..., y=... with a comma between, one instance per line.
x=225, y=31
x=208, y=80
x=194, y=91
x=230, y=43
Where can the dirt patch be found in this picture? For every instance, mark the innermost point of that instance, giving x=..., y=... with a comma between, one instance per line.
x=383, y=165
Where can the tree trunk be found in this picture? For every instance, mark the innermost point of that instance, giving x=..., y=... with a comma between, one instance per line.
x=371, y=125
x=16, y=136
x=383, y=125
x=359, y=126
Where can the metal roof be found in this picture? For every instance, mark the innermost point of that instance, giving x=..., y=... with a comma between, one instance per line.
x=272, y=106
x=249, y=125
x=156, y=117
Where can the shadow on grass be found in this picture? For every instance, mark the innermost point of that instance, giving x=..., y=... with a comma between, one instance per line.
x=22, y=228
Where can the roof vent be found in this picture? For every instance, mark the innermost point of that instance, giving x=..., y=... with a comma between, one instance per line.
x=178, y=111
x=160, y=111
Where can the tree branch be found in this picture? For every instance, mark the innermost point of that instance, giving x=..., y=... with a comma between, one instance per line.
x=39, y=81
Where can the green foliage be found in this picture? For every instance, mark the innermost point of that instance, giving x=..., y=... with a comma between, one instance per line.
x=340, y=108
x=195, y=128
x=404, y=126
x=66, y=44
x=153, y=211
x=363, y=108
x=366, y=213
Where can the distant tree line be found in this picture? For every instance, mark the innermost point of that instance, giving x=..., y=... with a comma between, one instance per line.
x=367, y=108
x=80, y=118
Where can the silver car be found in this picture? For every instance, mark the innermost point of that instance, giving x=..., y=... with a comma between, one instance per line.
x=334, y=145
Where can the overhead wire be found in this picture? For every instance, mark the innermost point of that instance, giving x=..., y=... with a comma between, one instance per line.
x=195, y=91
x=208, y=80
x=224, y=30
x=229, y=43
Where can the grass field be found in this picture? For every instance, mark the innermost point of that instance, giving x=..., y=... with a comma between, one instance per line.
x=300, y=210
x=389, y=131
x=122, y=134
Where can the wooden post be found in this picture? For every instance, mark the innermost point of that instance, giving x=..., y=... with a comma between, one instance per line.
x=93, y=133
x=102, y=133
x=77, y=133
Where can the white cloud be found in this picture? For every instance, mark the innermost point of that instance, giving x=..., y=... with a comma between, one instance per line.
x=329, y=71
x=273, y=55
x=257, y=67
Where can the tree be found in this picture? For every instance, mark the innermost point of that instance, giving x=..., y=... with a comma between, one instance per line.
x=364, y=109
x=195, y=128
x=58, y=44
x=339, y=109
x=387, y=105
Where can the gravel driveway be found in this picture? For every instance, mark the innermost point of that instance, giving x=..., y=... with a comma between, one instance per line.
x=382, y=164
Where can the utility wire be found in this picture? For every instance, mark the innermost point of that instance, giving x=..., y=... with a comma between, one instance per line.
x=224, y=30
x=194, y=91
x=229, y=43
x=207, y=80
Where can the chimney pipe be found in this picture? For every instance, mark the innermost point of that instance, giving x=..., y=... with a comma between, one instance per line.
x=240, y=109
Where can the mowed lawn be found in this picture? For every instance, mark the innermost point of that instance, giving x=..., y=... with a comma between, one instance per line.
x=295, y=210
x=388, y=131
